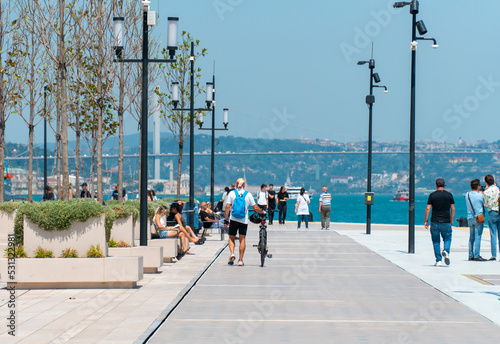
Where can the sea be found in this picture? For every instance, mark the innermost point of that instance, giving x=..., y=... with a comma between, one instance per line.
x=351, y=208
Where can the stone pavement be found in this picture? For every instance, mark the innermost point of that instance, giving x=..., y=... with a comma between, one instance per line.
x=338, y=286
x=324, y=287
x=102, y=315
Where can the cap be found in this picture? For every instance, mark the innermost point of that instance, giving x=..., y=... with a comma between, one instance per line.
x=84, y=184
x=116, y=185
x=440, y=182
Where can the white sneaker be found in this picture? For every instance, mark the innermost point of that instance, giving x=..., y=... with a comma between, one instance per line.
x=438, y=264
x=446, y=257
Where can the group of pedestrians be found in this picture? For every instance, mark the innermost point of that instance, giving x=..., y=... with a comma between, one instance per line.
x=479, y=200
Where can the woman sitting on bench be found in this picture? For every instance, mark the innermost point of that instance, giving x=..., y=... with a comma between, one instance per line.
x=175, y=217
x=168, y=232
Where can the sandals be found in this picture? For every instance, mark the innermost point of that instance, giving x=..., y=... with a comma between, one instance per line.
x=187, y=252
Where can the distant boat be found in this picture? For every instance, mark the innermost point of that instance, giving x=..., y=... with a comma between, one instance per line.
x=293, y=191
x=401, y=195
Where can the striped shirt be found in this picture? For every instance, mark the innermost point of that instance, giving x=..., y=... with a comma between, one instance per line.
x=325, y=198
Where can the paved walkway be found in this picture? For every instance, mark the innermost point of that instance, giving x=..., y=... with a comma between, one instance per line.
x=102, y=315
x=321, y=287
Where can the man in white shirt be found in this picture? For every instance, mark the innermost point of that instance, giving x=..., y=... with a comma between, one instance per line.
x=238, y=221
x=262, y=196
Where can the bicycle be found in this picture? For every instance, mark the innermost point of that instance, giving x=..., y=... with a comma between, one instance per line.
x=262, y=245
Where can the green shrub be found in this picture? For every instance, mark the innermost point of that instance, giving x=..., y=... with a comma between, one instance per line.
x=69, y=253
x=43, y=253
x=123, y=210
x=95, y=252
x=59, y=215
x=9, y=207
x=112, y=243
x=18, y=252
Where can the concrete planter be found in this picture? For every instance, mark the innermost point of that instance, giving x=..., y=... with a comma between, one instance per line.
x=54, y=273
x=123, y=229
x=137, y=231
x=80, y=236
x=152, y=256
x=6, y=225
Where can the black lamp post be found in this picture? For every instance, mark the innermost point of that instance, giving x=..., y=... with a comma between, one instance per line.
x=370, y=100
x=192, y=110
x=46, y=89
x=414, y=5
x=213, y=129
x=149, y=19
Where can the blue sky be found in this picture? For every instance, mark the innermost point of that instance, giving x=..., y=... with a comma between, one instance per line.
x=287, y=69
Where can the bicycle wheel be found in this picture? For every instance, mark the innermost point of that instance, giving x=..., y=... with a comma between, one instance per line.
x=262, y=247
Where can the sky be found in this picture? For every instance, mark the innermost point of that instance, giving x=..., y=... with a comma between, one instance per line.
x=287, y=68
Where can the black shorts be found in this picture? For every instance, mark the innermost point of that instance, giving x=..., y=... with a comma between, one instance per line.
x=235, y=226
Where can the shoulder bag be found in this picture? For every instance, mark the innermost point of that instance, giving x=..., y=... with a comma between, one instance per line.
x=480, y=217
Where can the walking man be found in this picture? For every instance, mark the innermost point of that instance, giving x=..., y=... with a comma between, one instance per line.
x=474, y=200
x=262, y=197
x=491, y=194
x=271, y=203
x=325, y=201
x=238, y=201
x=443, y=211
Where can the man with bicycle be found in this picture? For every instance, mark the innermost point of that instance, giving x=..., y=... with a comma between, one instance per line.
x=236, y=210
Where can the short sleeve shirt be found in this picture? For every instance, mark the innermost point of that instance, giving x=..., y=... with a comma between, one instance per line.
x=441, y=201
x=325, y=198
x=491, y=198
x=248, y=200
x=477, y=200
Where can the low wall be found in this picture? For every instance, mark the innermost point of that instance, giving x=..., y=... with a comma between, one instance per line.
x=109, y=272
x=6, y=225
x=80, y=236
x=123, y=229
x=152, y=256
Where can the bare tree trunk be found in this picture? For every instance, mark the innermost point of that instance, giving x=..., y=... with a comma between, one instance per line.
x=2, y=144
x=77, y=151
x=120, y=154
x=63, y=100
x=30, y=149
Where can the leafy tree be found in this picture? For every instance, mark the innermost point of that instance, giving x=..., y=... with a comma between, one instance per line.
x=178, y=121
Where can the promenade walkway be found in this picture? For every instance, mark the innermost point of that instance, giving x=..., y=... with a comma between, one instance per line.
x=322, y=287
x=338, y=286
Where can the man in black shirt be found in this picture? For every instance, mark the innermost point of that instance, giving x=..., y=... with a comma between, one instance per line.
x=271, y=203
x=443, y=211
x=209, y=221
x=85, y=193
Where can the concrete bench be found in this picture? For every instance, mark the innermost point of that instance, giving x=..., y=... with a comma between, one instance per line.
x=152, y=255
x=79, y=273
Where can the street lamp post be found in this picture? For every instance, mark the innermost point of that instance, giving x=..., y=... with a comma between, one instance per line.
x=420, y=27
x=149, y=19
x=192, y=110
x=213, y=129
x=370, y=100
x=46, y=89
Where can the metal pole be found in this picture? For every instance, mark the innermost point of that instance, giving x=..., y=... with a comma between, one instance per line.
x=191, y=141
x=144, y=136
x=411, y=214
x=212, y=162
x=45, y=138
x=369, y=177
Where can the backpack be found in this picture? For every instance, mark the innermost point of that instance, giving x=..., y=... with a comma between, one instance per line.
x=239, y=205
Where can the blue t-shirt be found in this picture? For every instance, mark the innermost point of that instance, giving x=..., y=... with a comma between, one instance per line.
x=477, y=200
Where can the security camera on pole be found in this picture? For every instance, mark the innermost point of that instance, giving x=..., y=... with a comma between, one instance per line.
x=416, y=25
